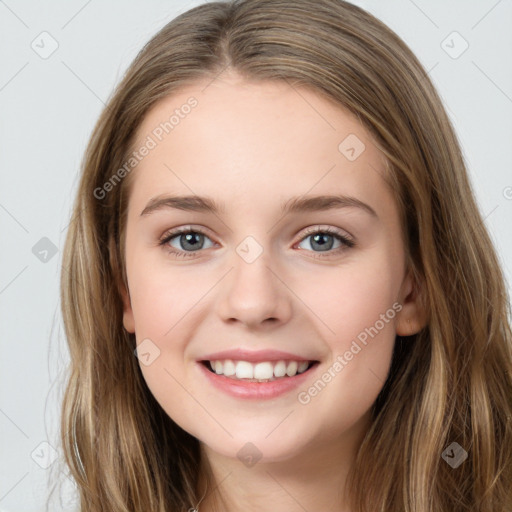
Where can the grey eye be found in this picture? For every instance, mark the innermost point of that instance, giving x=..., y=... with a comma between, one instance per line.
x=189, y=241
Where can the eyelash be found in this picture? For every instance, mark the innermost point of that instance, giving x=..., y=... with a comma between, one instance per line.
x=346, y=242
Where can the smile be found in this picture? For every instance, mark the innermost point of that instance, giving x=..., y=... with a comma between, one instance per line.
x=246, y=382
x=264, y=371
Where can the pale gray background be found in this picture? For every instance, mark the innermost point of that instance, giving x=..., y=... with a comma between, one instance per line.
x=48, y=109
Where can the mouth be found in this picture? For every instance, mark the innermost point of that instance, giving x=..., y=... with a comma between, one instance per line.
x=260, y=372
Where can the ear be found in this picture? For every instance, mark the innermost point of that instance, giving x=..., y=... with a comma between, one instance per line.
x=128, y=320
x=413, y=316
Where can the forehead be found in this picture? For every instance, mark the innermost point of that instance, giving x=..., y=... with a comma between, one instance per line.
x=228, y=136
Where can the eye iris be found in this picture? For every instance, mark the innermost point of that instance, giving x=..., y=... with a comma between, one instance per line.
x=193, y=240
x=323, y=246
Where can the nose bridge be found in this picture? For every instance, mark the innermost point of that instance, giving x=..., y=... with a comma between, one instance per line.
x=253, y=292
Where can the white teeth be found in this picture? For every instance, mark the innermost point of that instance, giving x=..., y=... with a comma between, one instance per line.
x=244, y=370
x=302, y=367
x=262, y=371
x=291, y=369
x=280, y=369
x=229, y=368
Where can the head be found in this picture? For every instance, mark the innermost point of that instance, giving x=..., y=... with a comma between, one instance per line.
x=260, y=128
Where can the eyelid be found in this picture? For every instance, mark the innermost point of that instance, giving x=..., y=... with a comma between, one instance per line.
x=184, y=229
x=347, y=240
x=314, y=228
x=324, y=228
x=173, y=232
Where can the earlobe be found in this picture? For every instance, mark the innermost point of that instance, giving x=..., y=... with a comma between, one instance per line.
x=412, y=318
x=128, y=320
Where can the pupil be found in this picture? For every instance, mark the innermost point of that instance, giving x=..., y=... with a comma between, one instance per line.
x=323, y=246
x=189, y=239
x=194, y=240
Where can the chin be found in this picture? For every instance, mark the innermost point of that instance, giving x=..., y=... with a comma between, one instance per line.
x=255, y=447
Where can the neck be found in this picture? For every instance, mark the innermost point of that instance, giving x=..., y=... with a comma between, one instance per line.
x=314, y=479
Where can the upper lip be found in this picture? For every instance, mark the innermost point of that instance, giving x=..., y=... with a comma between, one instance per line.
x=254, y=356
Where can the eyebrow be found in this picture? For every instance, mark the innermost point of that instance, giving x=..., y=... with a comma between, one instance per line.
x=294, y=205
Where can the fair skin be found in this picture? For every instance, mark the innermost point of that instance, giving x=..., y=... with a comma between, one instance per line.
x=252, y=147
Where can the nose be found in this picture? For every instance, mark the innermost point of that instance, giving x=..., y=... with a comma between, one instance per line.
x=254, y=294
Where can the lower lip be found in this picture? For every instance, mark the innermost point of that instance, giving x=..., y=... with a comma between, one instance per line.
x=256, y=390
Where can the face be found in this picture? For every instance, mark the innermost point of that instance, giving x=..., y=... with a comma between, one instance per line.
x=272, y=275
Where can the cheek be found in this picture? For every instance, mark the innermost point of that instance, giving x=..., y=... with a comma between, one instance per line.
x=166, y=306
x=162, y=330
x=157, y=310
x=352, y=299
x=357, y=312
x=160, y=298
x=357, y=317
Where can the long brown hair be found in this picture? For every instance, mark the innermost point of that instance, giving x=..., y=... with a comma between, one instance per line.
x=450, y=383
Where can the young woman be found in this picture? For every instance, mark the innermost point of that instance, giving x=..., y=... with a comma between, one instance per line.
x=278, y=291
